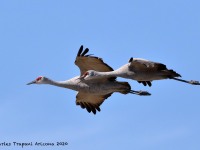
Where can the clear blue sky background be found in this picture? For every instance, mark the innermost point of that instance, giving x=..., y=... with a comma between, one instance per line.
x=42, y=37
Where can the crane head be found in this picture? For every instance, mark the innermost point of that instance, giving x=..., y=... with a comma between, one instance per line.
x=38, y=80
x=88, y=75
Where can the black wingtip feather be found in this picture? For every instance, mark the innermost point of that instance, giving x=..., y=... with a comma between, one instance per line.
x=149, y=83
x=144, y=83
x=80, y=50
x=85, y=52
x=131, y=59
x=82, y=106
x=89, y=107
x=98, y=108
x=92, y=108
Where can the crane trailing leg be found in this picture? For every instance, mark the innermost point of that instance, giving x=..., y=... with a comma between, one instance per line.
x=193, y=82
x=127, y=89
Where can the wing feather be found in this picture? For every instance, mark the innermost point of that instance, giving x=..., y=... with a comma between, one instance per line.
x=80, y=51
x=88, y=62
x=90, y=102
x=85, y=52
x=142, y=65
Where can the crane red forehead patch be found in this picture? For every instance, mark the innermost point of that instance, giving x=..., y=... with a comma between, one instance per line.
x=39, y=78
x=86, y=73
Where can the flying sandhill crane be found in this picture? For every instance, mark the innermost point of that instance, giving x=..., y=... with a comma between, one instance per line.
x=141, y=70
x=91, y=94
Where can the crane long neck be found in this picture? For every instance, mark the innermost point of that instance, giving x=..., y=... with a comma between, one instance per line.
x=65, y=84
x=114, y=73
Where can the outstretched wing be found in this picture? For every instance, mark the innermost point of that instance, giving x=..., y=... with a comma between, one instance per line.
x=143, y=65
x=88, y=62
x=90, y=102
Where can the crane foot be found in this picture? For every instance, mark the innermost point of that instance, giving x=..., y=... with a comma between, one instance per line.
x=193, y=82
x=143, y=93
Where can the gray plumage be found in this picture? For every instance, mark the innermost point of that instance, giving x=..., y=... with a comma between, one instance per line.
x=91, y=94
x=141, y=70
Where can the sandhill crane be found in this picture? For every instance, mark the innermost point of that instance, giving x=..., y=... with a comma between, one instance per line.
x=91, y=94
x=141, y=70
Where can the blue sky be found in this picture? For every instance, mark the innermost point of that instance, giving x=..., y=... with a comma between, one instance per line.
x=42, y=38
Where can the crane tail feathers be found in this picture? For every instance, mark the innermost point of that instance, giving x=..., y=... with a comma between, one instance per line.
x=171, y=73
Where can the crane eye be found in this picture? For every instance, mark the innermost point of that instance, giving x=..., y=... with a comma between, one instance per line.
x=39, y=78
x=91, y=73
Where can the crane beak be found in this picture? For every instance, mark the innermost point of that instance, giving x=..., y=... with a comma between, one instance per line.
x=32, y=82
x=81, y=77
